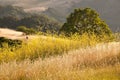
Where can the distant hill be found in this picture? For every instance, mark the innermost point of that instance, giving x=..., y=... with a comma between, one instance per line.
x=13, y=11
x=59, y=9
x=109, y=10
x=13, y=16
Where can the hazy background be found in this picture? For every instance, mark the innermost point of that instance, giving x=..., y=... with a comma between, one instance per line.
x=59, y=9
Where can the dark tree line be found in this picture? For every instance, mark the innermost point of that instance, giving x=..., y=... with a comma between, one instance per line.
x=39, y=22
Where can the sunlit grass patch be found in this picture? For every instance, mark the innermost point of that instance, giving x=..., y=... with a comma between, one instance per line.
x=39, y=47
x=46, y=46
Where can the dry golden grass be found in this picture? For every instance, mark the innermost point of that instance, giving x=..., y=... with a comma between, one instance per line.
x=50, y=58
x=44, y=46
x=92, y=63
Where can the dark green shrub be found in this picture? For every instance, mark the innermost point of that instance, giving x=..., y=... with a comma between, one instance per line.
x=10, y=42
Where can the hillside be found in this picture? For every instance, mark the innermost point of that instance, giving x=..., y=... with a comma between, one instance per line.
x=13, y=11
x=60, y=9
x=59, y=58
x=14, y=16
x=107, y=9
x=52, y=59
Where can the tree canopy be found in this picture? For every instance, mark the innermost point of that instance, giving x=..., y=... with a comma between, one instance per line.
x=85, y=21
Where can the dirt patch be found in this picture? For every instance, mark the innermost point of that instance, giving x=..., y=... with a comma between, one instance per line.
x=11, y=34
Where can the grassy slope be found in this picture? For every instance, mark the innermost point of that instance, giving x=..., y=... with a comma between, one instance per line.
x=41, y=46
x=100, y=62
x=64, y=59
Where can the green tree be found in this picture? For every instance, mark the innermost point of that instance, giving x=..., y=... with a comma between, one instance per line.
x=85, y=21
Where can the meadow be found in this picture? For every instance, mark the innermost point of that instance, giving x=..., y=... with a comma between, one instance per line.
x=44, y=46
x=61, y=58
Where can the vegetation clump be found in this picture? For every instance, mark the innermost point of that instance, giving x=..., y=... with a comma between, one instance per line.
x=26, y=30
x=85, y=21
x=10, y=42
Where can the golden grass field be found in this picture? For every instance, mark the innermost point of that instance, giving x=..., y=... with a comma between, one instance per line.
x=60, y=58
x=96, y=63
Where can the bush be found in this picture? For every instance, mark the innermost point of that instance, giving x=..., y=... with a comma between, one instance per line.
x=26, y=30
x=11, y=43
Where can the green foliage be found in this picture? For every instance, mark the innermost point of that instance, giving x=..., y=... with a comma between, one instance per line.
x=13, y=11
x=9, y=42
x=85, y=21
x=10, y=22
x=41, y=22
x=13, y=16
x=26, y=30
